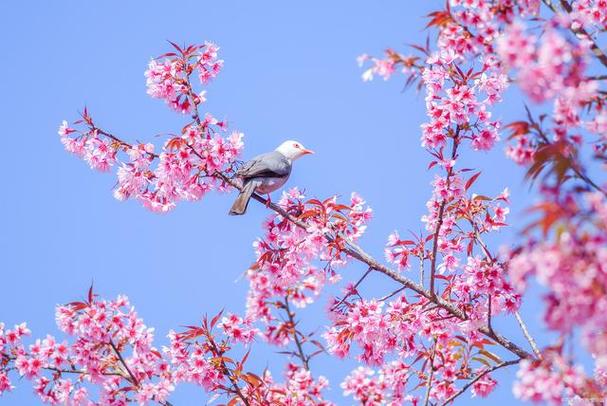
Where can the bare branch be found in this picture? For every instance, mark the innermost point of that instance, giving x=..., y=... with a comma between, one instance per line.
x=528, y=336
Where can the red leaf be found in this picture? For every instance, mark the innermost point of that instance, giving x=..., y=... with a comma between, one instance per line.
x=216, y=318
x=175, y=46
x=472, y=179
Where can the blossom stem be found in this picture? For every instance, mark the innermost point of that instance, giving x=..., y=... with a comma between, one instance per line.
x=397, y=291
x=233, y=380
x=489, y=326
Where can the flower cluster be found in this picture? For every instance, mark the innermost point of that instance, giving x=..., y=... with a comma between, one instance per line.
x=409, y=331
x=385, y=387
x=10, y=346
x=285, y=256
x=551, y=380
x=110, y=359
x=112, y=349
x=300, y=388
x=188, y=165
x=436, y=340
x=588, y=14
x=168, y=77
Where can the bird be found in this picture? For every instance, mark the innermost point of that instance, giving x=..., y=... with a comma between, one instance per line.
x=266, y=173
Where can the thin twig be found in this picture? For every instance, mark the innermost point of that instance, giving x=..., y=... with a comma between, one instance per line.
x=233, y=380
x=430, y=375
x=517, y=315
x=135, y=381
x=489, y=326
x=354, y=288
x=421, y=266
x=478, y=377
x=528, y=336
x=397, y=291
x=588, y=181
x=441, y=213
x=304, y=359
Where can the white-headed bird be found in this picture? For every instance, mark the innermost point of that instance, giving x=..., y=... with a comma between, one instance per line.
x=267, y=172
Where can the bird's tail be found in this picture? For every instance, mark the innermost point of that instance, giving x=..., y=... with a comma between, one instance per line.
x=242, y=201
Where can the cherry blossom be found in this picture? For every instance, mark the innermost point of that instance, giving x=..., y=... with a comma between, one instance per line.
x=429, y=339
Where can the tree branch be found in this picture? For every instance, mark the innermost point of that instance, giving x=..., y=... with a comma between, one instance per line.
x=134, y=381
x=441, y=213
x=477, y=378
x=304, y=359
x=528, y=336
x=233, y=380
x=430, y=375
x=353, y=288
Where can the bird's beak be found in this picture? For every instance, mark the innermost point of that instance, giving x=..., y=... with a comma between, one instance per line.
x=307, y=151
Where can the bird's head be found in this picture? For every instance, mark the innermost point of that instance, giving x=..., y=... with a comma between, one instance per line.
x=293, y=150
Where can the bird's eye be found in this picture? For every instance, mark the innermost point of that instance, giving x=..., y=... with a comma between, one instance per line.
x=296, y=145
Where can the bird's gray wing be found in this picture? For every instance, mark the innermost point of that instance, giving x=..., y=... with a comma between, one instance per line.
x=268, y=165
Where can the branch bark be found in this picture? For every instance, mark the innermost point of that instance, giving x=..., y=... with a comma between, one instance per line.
x=302, y=355
x=441, y=213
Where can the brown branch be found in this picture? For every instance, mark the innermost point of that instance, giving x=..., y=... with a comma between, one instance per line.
x=439, y=224
x=528, y=336
x=83, y=372
x=353, y=288
x=477, y=378
x=430, y=375
x=233, y=380
x=517, y=315
x=134, y=380
x=441, y=213
x=304, y=359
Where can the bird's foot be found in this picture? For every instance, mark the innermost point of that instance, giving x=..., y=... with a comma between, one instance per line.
x=268, y=201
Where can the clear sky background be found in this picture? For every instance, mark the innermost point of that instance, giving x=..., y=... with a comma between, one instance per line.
x=290, y=72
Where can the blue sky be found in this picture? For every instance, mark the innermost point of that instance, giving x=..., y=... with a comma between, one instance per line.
x=290, y=72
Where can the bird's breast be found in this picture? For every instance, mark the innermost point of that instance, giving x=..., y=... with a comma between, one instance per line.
x=268, y=185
